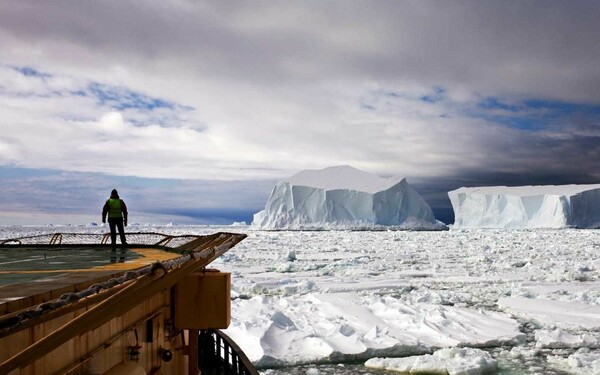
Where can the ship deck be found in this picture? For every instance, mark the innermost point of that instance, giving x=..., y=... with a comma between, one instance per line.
x=71, y=304
x=30, y=270
x=37, y=269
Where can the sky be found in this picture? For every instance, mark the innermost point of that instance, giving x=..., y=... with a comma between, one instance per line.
x=194, y=109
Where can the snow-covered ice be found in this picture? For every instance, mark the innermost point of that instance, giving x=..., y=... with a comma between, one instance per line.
x=558, y=338
x=583, y=362
x=357, y=295
x=313, y=327
x=529, y=298
x=449, y=361
x=554, y=313
x=527, y=206
x=344, y=197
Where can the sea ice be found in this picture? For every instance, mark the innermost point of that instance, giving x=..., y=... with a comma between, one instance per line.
x=559, y=338
x=527, y=206
x=316, y=327
x=344, y=198
x=449, y=361
x=551, y=313
x=583, y=362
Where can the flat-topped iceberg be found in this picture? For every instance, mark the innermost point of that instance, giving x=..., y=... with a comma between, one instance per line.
x=576, y=206
x=344, y=198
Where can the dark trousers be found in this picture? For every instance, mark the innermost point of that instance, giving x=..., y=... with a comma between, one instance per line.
x=115, y=223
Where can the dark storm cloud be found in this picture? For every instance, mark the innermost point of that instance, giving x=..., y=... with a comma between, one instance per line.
x=532, y=159
x=535, y=48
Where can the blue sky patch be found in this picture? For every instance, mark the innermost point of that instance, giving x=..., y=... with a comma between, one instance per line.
x=563, y=108
x=528, y=115
x=120, y=98
x=490, y=103
x=115, y=97
x=532, y=114
x=438, y=94
x=30, y=72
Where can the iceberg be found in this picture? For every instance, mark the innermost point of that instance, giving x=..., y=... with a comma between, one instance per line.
x=563, y=206
x=343, y=197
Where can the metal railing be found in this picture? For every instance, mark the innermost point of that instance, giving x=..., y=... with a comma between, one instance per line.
x=133, y=238
x=218, y=354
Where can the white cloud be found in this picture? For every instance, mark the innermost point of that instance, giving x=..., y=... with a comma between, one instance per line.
x=280, y=87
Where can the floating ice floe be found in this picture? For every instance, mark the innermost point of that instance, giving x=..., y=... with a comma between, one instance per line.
x=559, y=339
x=342, y=326
x=527, y=206
x=344, y=198
x=449, y=361
x=583, y=362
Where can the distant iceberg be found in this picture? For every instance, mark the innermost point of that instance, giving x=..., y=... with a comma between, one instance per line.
x=343, y=197
x=564, y=206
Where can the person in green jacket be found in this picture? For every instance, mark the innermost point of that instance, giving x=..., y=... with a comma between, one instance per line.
x=116, y=210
